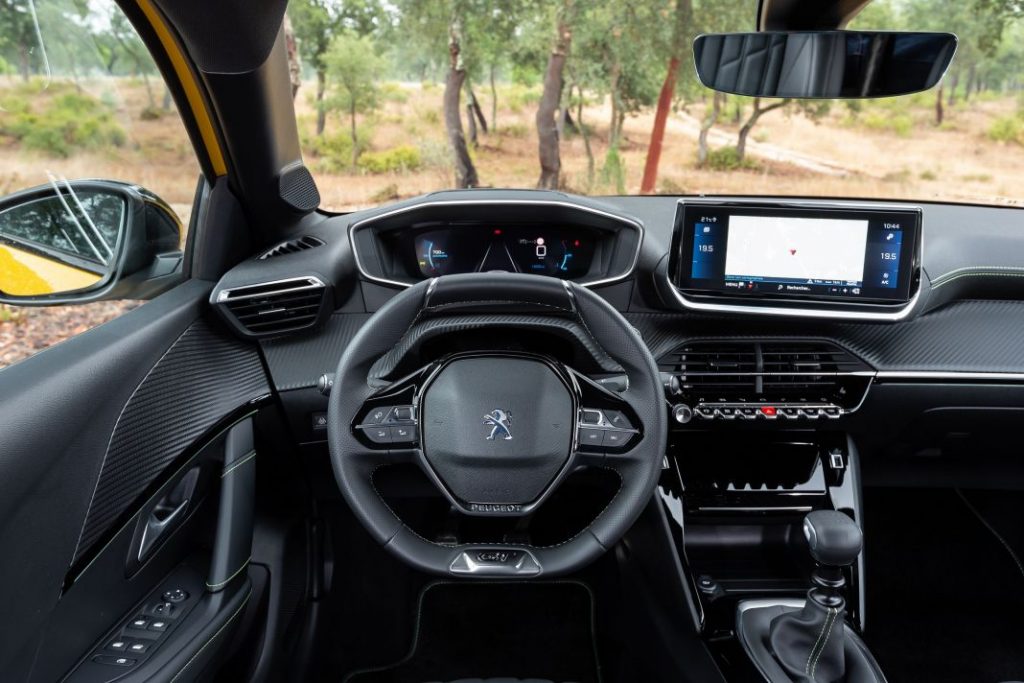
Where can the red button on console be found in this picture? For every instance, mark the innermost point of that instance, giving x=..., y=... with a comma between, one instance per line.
x=768, y=410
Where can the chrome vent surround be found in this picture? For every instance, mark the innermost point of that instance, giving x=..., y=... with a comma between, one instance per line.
x=292, y=246
x=274, y=308
x=758, y=368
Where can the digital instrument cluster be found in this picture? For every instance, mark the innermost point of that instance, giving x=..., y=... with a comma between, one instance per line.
x=557, y=252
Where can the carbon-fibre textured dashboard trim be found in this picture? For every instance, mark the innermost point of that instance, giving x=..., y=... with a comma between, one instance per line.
x=962, y=337
x=202, y=377
x=297, y=362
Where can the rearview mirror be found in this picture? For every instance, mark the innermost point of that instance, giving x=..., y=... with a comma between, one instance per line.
x=85, y=240
x=823, y=64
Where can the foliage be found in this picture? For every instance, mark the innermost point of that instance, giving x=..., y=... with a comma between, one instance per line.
x=66, y=123
x=400, y=159
x=1007, y=129
x=728, y=159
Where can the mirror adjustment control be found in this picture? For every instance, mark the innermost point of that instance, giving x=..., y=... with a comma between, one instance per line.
x=164, y=609
x=175, y=595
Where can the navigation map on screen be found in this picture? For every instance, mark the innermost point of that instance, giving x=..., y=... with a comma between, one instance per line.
x=796, y=249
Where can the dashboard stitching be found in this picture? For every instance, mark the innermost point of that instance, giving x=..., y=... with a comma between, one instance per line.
x=950, y=277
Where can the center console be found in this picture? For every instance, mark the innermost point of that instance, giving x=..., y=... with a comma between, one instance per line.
x=756, y=446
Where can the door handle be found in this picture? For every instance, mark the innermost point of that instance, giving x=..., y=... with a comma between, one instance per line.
x=166, y=514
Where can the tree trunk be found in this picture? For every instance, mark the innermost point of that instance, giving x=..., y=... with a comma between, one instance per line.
x=585, y=134
x=474, y=108
x=938, y=106
x=710, y=118
x=167, y=99
x=748, y=125
x=550, y=99
x=683, y=20
x=972, y=73
x=471, y=121
x=294, y=63
x=321, y=113
x=494, y=102
x=954, y=81
x=355, y=140
x=465, y=172
x=149, y=88
x=23, y=62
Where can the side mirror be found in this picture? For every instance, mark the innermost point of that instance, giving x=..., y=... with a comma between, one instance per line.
x=822, y=64
x=86, y=240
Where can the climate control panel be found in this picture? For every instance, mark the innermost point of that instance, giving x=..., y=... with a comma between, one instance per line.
x=684, y=413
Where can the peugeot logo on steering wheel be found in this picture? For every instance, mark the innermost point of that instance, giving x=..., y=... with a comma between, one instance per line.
x=500, y=422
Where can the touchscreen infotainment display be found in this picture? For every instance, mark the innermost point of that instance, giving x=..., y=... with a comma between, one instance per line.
x=777, y=251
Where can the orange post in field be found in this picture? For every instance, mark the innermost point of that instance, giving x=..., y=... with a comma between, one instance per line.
x=658, y=132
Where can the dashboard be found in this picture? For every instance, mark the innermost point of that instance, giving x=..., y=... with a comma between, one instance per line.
x=928, y=348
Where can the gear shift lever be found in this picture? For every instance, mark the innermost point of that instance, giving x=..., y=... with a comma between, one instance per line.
x=809, y=643
x=835, y=542
x=812, y=643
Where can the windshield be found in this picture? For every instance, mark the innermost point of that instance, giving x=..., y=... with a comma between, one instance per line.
x=399, y=98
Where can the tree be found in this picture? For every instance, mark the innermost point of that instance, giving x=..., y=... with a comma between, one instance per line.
x=551, y=97
x=316, y=22
x=748, y=125
x=465, y=171
x=17, y=33
x=682, y=28
x=354, y=68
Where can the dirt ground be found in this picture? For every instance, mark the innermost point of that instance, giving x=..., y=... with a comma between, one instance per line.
x=839, y=154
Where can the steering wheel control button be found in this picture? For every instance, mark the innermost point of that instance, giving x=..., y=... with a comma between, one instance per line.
x=377, y=416
x=403, y=434
x=614, y=439
x=591, y=417
x=401, y=414
x=495, y=562
x=378, y=434
x=592, y=437
x=114, y=661
x=616, y=420
x=175, y=595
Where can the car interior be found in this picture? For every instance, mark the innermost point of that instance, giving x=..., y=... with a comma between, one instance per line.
x=517, y=435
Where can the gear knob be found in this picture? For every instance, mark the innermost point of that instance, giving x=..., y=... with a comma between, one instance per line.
x=835, y=539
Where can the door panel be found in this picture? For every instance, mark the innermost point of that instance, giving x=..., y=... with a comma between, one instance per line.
x=87, y=429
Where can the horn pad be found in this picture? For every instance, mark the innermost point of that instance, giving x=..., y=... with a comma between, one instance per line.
x=497, y=430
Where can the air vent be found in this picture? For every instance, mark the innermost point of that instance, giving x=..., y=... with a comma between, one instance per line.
x=795, y=366
x=717, y=365
x=275, y=307
x=292, y=246
x=758, y=369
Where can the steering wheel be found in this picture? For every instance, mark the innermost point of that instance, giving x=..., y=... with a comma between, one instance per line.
x=496, y=431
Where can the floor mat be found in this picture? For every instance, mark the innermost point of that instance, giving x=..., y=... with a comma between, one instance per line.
x=945, y=598
x=516, y=629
